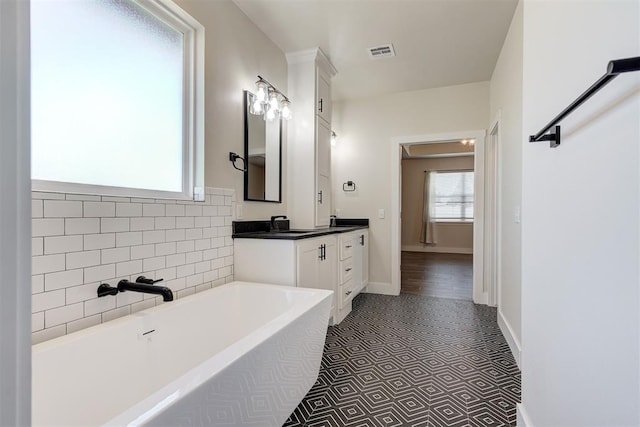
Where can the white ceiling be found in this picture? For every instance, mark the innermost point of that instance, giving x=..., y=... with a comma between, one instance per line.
x=437, y=42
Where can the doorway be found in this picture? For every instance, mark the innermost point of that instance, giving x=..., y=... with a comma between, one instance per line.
x=437, y=219
x=398, y=146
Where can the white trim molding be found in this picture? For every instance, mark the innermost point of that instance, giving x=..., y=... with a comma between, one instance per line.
x=522, y=418
x=437, y=249
x=15, y=215
x=479, y=293
x=381, y=289
x=510, y=336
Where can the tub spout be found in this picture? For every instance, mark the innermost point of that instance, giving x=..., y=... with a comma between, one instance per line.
x=125, y=285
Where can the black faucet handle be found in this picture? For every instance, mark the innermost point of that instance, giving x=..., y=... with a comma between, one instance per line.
x=142, y=279
x=105, y=289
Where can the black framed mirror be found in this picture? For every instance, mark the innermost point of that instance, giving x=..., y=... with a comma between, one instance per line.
x=263, y=154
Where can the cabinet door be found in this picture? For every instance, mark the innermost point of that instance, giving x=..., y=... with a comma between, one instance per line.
x=363, y=241
x=323, y=150
x=323, y=96
x=328, y=265
x=361, y=259
x=323, y=201
x=307, y=257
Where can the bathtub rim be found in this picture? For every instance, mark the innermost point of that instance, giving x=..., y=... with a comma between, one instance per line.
x=74, y=336
x=144, y=410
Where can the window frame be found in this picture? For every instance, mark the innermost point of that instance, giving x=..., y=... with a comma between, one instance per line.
x=456, y=220
x=192, y=116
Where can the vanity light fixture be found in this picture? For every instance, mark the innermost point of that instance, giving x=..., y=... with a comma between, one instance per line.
x=334, y=138
x=270, y=102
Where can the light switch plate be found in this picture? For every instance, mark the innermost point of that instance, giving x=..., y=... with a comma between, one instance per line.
x=381, y=213
x=516, y=214
x=239, y=211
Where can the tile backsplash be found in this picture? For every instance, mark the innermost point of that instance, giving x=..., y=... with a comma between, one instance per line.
x=81, y=241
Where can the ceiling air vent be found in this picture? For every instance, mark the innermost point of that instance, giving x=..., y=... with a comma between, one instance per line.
x=384, y=51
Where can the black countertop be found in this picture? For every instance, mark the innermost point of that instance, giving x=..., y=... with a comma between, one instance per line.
x=249, y=230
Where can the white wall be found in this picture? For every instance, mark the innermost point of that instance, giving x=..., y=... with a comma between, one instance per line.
x=506, y=102
x=581, y=218
x=15, y=183
x=236, y=52
x=365, y=128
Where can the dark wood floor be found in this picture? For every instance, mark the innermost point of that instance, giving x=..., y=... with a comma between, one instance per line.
x=437, y=275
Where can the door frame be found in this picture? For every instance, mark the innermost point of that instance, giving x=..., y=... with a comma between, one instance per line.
x=480, y=295
x=493, y=194
x=15, y=213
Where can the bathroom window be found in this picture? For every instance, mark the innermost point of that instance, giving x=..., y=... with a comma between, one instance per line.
x=453, y=196
x=117, y=98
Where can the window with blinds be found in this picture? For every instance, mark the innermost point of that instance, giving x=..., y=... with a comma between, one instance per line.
x=453, y=196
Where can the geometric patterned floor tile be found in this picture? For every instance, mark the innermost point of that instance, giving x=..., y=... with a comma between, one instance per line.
x=413, y=361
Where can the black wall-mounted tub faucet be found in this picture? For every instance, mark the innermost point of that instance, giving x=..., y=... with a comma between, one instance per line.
x=144, y=287
x=142, y=284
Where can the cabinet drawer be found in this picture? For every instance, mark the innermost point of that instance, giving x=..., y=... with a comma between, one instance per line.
x=346, y=247
x=346, y=270
x=347, y=292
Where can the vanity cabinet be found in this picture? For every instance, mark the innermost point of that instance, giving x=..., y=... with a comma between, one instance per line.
x=307, y=263
x=353, y=269
x=338, y=262
x=309, y=139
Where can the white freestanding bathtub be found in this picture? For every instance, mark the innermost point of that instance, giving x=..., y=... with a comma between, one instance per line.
x=239, y=354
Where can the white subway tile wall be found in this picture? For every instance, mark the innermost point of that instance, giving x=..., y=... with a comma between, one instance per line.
x=80, y=241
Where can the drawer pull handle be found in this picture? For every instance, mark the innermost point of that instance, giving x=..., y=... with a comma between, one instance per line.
x=348, y=293
x=348, y=269
x=348, y=246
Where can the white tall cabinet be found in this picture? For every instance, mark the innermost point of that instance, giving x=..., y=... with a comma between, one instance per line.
x=309, y=139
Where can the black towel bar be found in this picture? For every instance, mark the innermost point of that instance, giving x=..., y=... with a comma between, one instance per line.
x=614, y=69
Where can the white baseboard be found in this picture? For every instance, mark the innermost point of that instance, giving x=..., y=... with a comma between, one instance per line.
x=437, y=249
x=509, y=335
x=522, y=418
x=380, y=288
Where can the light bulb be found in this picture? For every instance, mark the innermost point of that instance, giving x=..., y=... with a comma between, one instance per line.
x=257, y=107
x=273, y=101
x=271, y=114
x=472, y=141
x=261, y=93
x=464, y=142
x=285, y=112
